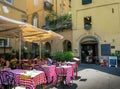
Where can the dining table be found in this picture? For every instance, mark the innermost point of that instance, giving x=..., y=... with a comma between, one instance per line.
x=29, y=78
x=68, y=71
x=50, y=71
x=75, y=67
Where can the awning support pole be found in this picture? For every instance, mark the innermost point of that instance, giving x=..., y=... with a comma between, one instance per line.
x=20, y=46
x=40, y=49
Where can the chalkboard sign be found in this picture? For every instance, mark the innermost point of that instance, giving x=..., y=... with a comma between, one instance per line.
x=105, y=49
x=112, y=61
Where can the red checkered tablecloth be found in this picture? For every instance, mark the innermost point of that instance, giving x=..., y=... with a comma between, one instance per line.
x=30, y=82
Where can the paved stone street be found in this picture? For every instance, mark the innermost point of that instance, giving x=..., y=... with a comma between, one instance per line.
x=93, y=76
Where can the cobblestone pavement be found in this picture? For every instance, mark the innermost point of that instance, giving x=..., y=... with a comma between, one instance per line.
x=91, y=76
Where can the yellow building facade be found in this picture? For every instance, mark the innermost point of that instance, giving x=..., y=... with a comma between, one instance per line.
x=61, y=6
x=12, y=9
x=96, y=26
x=41, y=10
x=35, y=12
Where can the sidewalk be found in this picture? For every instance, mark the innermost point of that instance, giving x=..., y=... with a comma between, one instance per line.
x=93, y=76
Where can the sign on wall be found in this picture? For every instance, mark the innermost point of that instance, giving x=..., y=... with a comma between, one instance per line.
x=112, y=61
x=105, y=49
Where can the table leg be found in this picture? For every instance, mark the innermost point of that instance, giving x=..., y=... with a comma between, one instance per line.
x=76, y=69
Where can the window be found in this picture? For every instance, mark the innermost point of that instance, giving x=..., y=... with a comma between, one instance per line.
x=48, y=0
x=61, y=1
x=48, y=47
x=35, y=49
x=35, y=2
x=48, y=5
x=24, y=17
x=35, y=20
x=84, y=2
x=62, y=11
x=87, y=23
x=4, y=43
x=117, y=52
x=69, y=3
x=9, y=2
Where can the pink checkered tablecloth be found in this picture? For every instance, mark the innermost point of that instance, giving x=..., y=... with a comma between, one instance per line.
x=50, y=73
x=68, y=70
x=30, y=82
x=74, y=65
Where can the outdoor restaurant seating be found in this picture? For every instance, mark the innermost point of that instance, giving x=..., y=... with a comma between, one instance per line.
x=40, y=73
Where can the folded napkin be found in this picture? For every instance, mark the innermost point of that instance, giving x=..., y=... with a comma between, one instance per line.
x=24, y=76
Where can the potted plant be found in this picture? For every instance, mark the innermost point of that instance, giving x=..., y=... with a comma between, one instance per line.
x=62, y=56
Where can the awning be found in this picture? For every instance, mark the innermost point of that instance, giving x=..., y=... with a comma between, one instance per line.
x=50, y=35
x=11, y=28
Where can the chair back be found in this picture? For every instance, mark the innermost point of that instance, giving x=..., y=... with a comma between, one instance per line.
x=38, y=67
x=7, y=78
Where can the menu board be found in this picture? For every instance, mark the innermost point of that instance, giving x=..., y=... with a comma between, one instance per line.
x=112, y=61
x=105, y=49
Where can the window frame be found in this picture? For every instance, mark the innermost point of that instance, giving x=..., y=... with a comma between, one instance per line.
x=62, y=10
x=10, y=3
x=36, y=2
x=48, y=0
x=85, y=2
x=35, y=20
x=7, y=42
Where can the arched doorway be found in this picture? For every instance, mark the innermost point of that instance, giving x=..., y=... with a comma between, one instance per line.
x=48, y=47
x=47, y=51
x=89, y=49
x=67, y=46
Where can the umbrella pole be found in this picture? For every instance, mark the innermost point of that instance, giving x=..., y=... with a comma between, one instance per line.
x=20, y=47
x=40, y=49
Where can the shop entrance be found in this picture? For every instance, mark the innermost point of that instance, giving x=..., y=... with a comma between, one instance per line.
x=89, y=51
